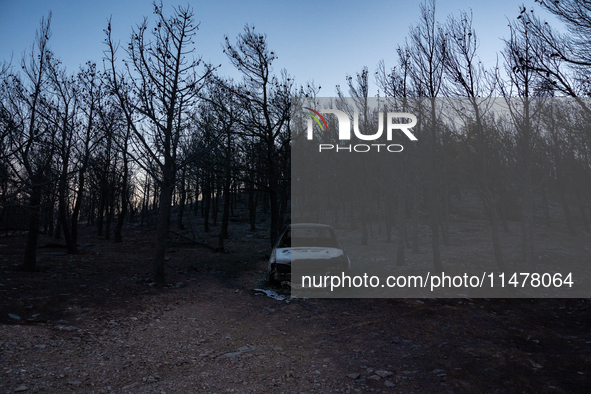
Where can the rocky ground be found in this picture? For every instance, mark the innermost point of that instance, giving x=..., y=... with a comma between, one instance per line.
x=94, y=323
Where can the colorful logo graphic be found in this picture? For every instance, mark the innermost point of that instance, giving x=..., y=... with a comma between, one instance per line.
x=315, y=116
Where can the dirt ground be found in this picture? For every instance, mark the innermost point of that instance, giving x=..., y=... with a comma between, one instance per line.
x=94, y=323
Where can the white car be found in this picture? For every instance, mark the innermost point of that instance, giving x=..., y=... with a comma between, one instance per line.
x=309, y=248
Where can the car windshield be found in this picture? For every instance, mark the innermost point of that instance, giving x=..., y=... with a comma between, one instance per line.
x=309, y=237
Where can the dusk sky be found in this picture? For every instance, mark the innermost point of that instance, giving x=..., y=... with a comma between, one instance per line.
x=319, y=41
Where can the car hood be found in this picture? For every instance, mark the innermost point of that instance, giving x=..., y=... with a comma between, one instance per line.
x=287, y=255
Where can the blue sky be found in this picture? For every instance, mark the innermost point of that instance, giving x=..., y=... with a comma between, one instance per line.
x=320, y=41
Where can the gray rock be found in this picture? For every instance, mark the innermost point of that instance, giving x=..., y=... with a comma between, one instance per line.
x=383, y=374
x=353, y=375
x=374, y=377
x=247, y=348
x=21, y=388
x=387, y=383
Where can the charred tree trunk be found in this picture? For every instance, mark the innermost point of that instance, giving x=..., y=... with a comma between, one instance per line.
x=283, y=210
x=145, y=199
x=63, y=216
x=57, y=233
x=227, y=203
x=215, y=200
x=163, y=223
x=183, y=198
x=49, y=217
x=30, y=261
x=252, y=207
x=101, y=210
x=110, y=210
x=206, y=204
x=78, y=204
x=124, y=204
x=196, y=194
